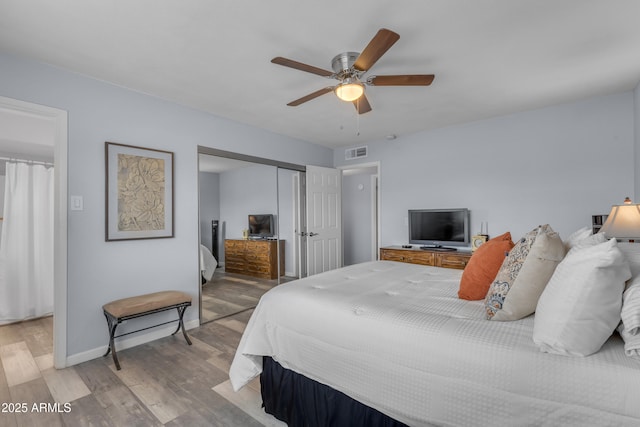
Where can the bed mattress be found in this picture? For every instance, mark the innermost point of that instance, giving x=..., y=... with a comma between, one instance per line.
x=395, y=337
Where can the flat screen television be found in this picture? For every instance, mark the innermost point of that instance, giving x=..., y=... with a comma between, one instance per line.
x=261, y=226
x=439, y=228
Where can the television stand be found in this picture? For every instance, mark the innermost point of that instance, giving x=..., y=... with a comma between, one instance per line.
x=427, y=256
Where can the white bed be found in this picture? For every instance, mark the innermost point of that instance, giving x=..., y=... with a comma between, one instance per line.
x=208, y=263
x=395, y=337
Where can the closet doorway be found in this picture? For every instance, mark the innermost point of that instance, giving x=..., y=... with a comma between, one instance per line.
x=250, y=224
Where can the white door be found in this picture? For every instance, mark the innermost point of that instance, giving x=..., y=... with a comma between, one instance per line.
x=324, y=219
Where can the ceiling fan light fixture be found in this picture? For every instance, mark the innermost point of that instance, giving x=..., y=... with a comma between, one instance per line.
x=349, y=90
x=350, y=67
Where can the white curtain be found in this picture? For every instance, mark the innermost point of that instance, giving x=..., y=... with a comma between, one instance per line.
x=26, y=245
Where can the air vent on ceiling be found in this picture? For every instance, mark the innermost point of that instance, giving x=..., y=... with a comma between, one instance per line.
x=355, y=153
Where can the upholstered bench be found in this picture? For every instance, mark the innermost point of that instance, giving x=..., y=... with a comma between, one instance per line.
x=130, y=308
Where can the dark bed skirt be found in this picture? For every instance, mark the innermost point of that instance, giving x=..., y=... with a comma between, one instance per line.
x=300, y=401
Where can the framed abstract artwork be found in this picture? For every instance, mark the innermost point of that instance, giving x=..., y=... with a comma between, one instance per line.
x=139, y=192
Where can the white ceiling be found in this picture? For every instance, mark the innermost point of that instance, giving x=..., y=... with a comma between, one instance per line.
x=490, y=57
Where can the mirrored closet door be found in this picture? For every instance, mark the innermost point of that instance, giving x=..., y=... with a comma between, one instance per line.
x=249, y=241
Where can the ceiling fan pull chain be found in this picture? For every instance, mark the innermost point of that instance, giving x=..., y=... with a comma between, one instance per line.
x=358, y=117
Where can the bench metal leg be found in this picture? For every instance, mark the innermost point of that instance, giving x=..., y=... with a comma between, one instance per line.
x=181, y=311
x=112, y=324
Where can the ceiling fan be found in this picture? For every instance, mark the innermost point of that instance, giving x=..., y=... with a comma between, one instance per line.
x=349, y=69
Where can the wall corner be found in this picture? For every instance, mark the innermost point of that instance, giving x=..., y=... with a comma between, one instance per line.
x=636, y=143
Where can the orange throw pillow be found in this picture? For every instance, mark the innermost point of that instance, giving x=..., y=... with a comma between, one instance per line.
x=483, y=267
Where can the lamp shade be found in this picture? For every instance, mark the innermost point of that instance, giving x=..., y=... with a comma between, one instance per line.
x=623, y=222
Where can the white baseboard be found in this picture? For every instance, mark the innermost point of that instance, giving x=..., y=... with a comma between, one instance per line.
x=124, y=343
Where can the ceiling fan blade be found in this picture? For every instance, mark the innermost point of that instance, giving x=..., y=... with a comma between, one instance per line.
x=362, y=104
x=300, y=66
x=310, y=96
x=379, y=44
x=401, y=80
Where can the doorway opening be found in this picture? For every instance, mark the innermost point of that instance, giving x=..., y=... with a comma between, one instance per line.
x=23, y=122
x=361, y=206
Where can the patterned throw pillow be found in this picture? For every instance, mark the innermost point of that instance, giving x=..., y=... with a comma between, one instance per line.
x=524, y=273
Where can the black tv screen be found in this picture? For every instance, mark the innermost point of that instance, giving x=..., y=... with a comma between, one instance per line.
x=439, y=227
x=261, y=225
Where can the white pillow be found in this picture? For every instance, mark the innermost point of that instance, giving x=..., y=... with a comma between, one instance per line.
x=591, y=240
x=576, y=236
x=580, y=306
x=631, y=252
x=631, y=342
x=630, y=313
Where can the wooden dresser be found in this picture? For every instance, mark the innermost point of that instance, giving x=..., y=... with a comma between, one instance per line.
x=455, y=259
x=256, y=258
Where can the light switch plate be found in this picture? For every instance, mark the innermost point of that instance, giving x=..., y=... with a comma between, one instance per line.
x=77, y=204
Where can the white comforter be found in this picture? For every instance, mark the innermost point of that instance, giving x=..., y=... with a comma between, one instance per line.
x=395, y=337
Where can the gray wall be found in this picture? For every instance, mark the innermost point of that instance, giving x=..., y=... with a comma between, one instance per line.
x=250, y=190
x=209, y=205
x=100, y=271
x=2, y=182
x=636, y=98
x=556, y=165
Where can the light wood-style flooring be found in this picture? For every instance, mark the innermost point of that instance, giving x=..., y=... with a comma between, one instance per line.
x=164, y=382
x=229, y=293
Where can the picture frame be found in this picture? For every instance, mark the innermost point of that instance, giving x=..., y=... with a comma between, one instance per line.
x=139, y=193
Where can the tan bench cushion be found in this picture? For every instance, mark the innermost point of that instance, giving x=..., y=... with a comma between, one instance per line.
x=142, y=303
